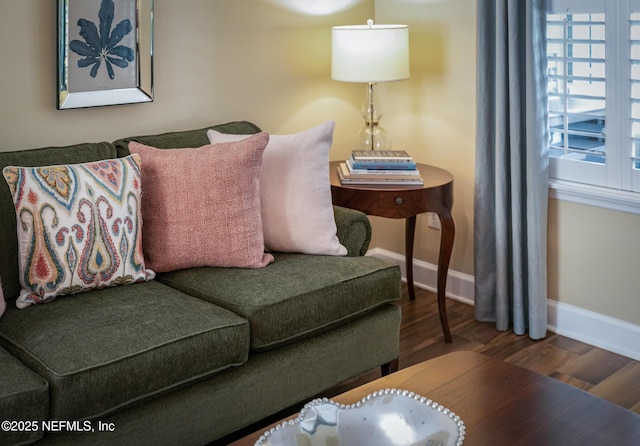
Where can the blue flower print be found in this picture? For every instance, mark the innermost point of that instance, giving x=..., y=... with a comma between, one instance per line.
x=101, y=43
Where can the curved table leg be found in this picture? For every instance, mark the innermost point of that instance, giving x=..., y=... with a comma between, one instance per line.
x=408, y=253
x=446, y=246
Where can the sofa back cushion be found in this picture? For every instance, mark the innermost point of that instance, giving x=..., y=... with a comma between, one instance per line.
x=74, y=154
x=184, y=139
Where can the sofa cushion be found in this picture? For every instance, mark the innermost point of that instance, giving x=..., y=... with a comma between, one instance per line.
x=24, y=396
x=297, y=296
x=80, y=227
x=80, y=153
x=295, y=191
x=117, y=346
x=202, y=205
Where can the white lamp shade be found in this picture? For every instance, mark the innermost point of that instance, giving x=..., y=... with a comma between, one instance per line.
x=370, y=53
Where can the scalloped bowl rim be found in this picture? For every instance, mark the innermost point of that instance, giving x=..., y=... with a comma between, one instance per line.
x=312, y=405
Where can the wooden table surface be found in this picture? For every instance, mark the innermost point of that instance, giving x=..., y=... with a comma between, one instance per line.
x=502, y=404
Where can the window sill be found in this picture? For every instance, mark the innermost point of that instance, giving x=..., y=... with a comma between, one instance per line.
x=603, y=197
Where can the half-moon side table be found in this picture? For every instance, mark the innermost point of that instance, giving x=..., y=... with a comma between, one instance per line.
x=436, y=195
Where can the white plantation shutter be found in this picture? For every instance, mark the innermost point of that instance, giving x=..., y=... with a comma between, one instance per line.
x=634, y=93
x=593, y=51
x=577, y=89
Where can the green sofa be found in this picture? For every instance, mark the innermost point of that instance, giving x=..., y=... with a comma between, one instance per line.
x=195, y=354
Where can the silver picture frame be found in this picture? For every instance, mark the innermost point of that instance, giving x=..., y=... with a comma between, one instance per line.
x=105, y=52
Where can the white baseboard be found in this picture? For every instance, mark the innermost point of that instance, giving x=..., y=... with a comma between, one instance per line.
x=425, y=275
x=573, y=322
x=593, y=328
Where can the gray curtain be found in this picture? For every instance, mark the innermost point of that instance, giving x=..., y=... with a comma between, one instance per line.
x=511, y=185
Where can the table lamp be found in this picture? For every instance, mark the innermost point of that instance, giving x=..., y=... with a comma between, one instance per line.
x=370, y=53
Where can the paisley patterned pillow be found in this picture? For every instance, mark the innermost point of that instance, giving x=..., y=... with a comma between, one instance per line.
x=79, y=227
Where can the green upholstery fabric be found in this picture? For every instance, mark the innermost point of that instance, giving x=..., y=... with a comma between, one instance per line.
x=271, y=381
x=80, y=153
x=23, y=396
x=158, y=362
x=354, y=230
x=108, y=348
x=188, y=138
x=296, y=296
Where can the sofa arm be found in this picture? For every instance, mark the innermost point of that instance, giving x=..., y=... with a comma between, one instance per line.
x=354, y=230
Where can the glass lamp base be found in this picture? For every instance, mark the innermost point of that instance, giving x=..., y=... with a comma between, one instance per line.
x=373, y=138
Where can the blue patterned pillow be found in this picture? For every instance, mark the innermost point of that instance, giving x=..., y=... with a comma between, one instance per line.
x=79, y=227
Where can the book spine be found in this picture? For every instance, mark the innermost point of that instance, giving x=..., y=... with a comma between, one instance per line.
x=407, y=172
x=382, y=160
x=377, y=180
x=394, y=155
x=378, y=165
x=382, y=182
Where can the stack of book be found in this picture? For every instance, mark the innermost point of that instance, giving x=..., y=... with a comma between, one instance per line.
x=380, y=168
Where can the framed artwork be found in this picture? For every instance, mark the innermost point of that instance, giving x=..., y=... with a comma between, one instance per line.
x=105, y=52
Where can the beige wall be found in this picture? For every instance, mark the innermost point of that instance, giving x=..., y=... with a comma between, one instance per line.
x=594, y=259
x=432, y=114
x=219, y=60
x=215, y=61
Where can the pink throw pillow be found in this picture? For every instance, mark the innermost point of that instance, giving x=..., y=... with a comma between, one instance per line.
x=201, y=206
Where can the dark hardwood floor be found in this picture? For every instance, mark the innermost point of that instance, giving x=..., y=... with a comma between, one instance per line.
x=608, y=375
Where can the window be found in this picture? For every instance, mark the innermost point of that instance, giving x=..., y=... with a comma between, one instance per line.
x=593, y=63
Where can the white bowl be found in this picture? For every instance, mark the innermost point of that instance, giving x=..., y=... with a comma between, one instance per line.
x=386, y=417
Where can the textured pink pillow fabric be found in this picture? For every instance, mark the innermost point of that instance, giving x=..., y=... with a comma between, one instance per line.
x=201, y=206
x=295, y=191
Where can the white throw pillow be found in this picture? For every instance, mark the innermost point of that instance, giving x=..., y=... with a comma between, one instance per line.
x=295, y=191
